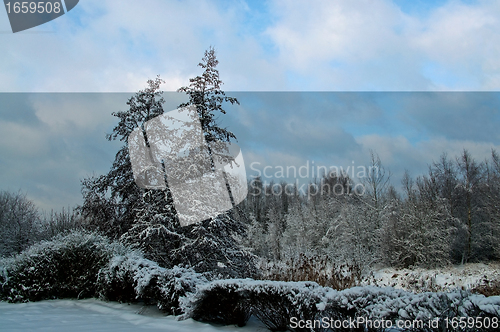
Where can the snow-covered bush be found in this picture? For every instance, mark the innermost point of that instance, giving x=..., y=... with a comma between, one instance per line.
x=376, y=304
x=274, y=303
x=179, y=283
x=281, y=304
x=66, y=266
x=126, y=277
x=131, y=277
x=222, y=302
x=82, y=264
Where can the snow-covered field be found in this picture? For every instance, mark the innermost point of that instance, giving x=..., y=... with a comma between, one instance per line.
x=444, y=279
x=94, y=315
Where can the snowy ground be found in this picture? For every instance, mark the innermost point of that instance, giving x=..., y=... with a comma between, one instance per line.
x=95, y=315
x=451, y=278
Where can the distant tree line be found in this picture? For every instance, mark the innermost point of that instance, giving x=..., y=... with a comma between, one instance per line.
x=450, y=215
x=23, y=224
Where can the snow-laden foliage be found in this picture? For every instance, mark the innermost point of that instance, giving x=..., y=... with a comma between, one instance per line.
x=351, y=236
x=19, y=223
x=128, y=276
x=279, y=304
x=448, y=216
x=374, y=303
x=131, y=277
x=154, y=231
x=66, y=266
x=232, y=302
x=276, y=303
x=220, y=302
x=211, y=248
x=147, y=219
x=83, y=264
x=207, y=247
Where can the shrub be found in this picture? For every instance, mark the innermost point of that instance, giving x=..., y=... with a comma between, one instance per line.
x=389, y=304
x=131, y=277
x=276, y=303
x=179, y=283
x=66, y=266
x=233, y=301
x=81, y=264
x=223, y=302
x=126, y=278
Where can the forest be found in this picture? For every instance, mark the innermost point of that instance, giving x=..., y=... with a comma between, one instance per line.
x=448, y=216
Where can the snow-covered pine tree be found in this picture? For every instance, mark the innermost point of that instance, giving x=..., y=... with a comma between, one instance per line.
x=147, y=218
x=113, y=202
x=205, y=93
x=212, y=241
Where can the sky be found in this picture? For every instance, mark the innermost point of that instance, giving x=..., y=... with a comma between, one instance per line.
x=322, y=81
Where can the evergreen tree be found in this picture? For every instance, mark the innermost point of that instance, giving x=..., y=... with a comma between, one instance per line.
x=217, y=234
x=147, y=218
x=113, y=201
x=205, y=93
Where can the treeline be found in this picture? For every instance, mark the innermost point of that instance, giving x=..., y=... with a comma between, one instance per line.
x=450, y=215
x=22, y=223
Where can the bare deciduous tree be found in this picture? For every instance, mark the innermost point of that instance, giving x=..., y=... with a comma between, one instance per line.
x=19, y=223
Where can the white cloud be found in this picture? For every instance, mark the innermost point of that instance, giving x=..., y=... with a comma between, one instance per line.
x=19, y=141
x=373, y=45
x=454, y=148
x=321, y=45
x=390, y=149
x=458, y=33
x=350, y=31
x=117, y=46
x=464, y=41
x=63, y=113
